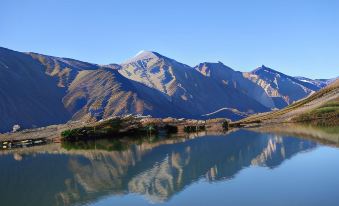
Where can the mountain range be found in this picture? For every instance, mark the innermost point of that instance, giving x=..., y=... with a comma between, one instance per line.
x=38, y=90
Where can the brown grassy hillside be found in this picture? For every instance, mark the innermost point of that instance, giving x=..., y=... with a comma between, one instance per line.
x=321, y=108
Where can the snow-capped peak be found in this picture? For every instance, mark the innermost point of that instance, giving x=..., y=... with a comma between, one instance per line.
x=140, y=52
x=143, y=55
x=263, y=68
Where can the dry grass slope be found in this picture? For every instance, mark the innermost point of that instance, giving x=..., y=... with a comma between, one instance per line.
x=321, y=107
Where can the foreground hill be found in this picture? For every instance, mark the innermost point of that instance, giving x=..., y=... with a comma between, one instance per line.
x=321, y=108
x=37, y=90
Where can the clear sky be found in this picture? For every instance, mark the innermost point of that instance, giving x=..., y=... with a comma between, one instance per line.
x=297, y=37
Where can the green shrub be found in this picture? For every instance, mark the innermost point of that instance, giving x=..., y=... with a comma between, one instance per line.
x=225, y=125
x=171, y=128
x=189, y=129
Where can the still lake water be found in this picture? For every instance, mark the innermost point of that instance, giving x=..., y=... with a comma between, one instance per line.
x=240, y=168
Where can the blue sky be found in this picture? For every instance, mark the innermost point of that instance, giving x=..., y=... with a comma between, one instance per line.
x=293, y=36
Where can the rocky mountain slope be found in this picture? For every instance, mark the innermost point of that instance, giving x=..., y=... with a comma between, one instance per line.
x=38, y=90
x=235, y=83
x=283, y=89
x=321, y=108
x=185, y=86
x=104, y=92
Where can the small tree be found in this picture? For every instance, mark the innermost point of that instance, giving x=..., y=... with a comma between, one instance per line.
x=225, y=125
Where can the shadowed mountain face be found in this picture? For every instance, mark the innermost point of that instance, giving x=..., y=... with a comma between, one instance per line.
x=38, y=90
x=28, y=96
x=236, y=82
x=158, y=171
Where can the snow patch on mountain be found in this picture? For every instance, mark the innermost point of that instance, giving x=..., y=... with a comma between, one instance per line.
x=143, y=56
x=4, y=65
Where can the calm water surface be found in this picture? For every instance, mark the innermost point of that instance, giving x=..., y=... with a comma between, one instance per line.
x=240, y=168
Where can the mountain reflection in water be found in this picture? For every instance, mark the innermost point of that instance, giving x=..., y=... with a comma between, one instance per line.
x=158, y=171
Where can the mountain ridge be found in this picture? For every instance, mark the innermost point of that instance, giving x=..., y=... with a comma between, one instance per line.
x=146, y=84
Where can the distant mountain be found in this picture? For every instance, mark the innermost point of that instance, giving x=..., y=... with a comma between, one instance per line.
x=234, y=82
x=330, y=81
x=318, y=82
x=283, y=89
x=320, y=108
x=38, y=90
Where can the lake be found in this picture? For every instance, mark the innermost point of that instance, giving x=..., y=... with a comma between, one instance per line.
x=239, y=168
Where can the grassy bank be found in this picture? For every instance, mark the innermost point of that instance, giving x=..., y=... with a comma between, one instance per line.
x=113, y=128
x=325, y=115
x=131, y=127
